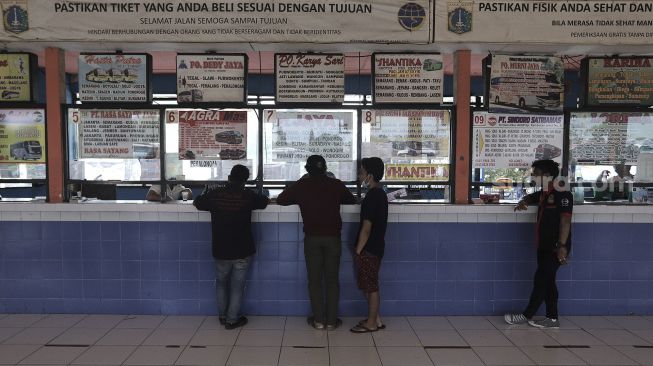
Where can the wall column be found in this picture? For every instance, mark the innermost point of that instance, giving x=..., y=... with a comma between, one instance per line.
x=462, y=94
x=55, y=97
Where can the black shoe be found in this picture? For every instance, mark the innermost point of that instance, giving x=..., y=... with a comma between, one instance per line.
x=222, y=320
x=334, y=326
x=315, y=324
x=239, y=323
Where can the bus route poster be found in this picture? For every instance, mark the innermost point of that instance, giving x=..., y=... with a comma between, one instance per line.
x=619, y=81
x=525, y=84
x=22, y=136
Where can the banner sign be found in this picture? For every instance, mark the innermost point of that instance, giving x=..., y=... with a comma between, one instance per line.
x=407, y=134
x=22, y=136
x=210, y=134
x=211, y=78
x=607, y=138
x=504, y=141
x=118, y=133
x=298, y=135
x=526, y=83
x=251, y=21
x=16, y=77
x=407, y=78
x=619, y=81
x=114, y=78
x=417, y=172
x=548, y=22
x=310, y=78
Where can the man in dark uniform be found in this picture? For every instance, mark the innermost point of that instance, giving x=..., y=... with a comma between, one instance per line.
x=553, y=243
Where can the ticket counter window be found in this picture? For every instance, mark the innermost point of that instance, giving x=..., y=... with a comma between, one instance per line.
x=415, y=146
x=204, y=144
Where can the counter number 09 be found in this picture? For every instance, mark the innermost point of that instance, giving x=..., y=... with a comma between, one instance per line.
x=479, y=120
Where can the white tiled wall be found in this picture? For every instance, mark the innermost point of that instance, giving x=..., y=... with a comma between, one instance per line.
x=274, y=213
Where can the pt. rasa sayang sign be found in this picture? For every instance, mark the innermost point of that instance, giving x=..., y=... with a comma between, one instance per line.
x=257, y=21
x=604, y=22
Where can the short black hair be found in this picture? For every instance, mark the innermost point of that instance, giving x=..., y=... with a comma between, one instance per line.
x=374, y=166
x=549, y=167
x=316, y=165
x=239, y=174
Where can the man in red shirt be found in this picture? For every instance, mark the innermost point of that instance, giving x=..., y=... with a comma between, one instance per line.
x=319, y=198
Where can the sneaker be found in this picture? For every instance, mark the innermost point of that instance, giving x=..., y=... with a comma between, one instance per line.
x=514, y=319
x=315, y=324
x=545, y=323
x=239, y=323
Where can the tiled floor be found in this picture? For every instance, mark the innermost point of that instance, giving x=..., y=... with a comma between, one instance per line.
x=412, y=341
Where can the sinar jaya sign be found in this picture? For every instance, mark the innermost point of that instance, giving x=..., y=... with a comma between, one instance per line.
x=211, y=78
x=118, y=133
x=210, y=134
x=504, y=141
x=407, y=78
x=310, y=78
x=22, y=136
x=297, y=135
x=407, y=134
x=550, y=21
x=619, y=81
x=258, y=21
x=114, y=78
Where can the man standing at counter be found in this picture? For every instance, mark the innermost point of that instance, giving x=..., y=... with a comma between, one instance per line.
x=319, y=198
x=553, y=243
x=233, y=245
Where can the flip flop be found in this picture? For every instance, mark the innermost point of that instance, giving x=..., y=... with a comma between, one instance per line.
x=362, y=329
x=362, y=322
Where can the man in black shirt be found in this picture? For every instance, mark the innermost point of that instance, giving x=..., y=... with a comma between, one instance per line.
x=555, y=207
x=371, y=241
x=233, y=245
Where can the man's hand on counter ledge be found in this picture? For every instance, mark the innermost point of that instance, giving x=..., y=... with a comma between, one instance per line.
x=521, y=206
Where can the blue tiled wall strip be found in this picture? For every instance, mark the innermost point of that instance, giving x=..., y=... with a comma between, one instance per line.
x=430, y=268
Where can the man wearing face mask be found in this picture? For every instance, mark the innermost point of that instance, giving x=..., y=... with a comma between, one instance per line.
x=371, y=241
x=553, y=243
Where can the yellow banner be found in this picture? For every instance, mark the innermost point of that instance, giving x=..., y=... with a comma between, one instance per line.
x=22, y=136
x=417, y=172
x=15, y=78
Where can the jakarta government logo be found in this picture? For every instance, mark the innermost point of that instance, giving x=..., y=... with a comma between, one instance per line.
x=460, y=17
x=411, y=16
x=15, y=17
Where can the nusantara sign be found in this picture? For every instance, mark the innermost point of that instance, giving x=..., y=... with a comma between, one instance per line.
x=259, y=21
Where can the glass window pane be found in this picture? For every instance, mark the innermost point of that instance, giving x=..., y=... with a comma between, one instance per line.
x=414, y=144
x=205, y=144
x=114, y=144
x=290, y=136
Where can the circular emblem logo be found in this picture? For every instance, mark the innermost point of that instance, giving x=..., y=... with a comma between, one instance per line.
x=492, y=121
x=411, y=16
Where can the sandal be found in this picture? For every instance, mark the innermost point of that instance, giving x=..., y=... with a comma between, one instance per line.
x=364, y=321
x=362, y=329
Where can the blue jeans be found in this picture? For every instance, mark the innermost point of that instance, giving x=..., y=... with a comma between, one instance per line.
x=230, y=284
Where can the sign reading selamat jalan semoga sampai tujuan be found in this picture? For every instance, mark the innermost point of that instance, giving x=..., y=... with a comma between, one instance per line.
x=260, y=21
x=553, y=21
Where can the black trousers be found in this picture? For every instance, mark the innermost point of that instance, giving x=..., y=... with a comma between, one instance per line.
x=544, y=285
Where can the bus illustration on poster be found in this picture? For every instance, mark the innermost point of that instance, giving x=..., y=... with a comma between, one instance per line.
x=525, y=84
